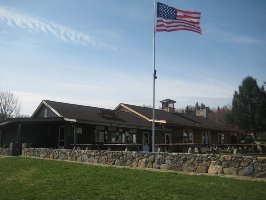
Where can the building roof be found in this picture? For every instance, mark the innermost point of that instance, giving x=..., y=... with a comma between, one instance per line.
x=30, y=120
x=88, y=114
x=173, y=118
x=131, y=116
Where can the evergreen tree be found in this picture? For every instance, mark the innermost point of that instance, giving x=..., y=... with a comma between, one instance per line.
x=247, y=106
x=190, y=110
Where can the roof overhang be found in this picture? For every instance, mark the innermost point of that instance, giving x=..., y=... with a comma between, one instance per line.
x=30, y=120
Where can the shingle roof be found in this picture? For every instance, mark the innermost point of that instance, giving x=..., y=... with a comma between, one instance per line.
x=93, y=114
x=176, y=118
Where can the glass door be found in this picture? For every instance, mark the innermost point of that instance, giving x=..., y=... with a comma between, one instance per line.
x=61, y=137
x=167, y=141
x=145, y=141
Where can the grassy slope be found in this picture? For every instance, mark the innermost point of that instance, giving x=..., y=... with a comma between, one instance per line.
x=26, y=178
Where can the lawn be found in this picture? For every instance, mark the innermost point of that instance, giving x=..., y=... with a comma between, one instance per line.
x=29, y=178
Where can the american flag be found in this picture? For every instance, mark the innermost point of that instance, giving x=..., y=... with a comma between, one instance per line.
x=173, y=19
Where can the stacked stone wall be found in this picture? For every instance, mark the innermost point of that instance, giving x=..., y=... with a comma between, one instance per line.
x=201, y=163
x=5, y=151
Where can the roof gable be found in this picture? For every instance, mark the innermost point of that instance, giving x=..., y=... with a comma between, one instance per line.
x=44, y=110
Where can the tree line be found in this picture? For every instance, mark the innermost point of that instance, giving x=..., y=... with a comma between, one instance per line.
x=248, y=109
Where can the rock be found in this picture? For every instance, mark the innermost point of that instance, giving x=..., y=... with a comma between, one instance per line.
x=168, y=161
x=141, y=164
x=202, y=168
x=164, y=167
x=156, y=166
x=257, y=167
x=214, y=168
x=263, y=167
x=262, y=159
x=118, y=162
x=158, y=157
x=135, y=163
x=225, y=164
x=84, y=158
x=227, y=157
x=261, y=175
x=152, y=158
x=176, y=167
x=188, y=167
x=230, y=171
x=247, y=171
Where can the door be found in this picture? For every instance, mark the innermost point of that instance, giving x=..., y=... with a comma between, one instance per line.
x=61, y=137
x=146, y=141
x=167, y=140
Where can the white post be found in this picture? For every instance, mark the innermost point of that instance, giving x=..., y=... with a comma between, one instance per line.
x=154, y=77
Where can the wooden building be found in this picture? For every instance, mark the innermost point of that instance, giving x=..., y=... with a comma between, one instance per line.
x=63, y=125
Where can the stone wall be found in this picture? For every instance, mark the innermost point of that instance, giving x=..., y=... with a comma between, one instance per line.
x=201, y=163
x=5, y=151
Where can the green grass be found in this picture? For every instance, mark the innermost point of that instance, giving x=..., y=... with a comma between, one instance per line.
x=28, y=178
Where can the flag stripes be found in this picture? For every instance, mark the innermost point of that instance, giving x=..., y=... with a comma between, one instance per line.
x=172, y=19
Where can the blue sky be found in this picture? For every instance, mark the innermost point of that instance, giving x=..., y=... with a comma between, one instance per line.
x=99, y=53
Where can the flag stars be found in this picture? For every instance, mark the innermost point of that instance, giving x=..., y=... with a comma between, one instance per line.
x=165, y=11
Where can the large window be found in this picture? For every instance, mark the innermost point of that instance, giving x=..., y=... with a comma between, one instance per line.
x=187, y=136
x=99, y=136
x=205, y=137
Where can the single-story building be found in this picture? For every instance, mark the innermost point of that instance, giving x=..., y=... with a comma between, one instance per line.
x=64, y=125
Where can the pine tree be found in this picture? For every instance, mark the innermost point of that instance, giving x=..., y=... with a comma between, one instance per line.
x=248, y=105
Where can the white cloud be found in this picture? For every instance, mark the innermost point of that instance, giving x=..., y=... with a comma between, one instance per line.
x=12, y=17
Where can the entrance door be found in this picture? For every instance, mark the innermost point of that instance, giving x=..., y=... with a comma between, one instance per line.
x=61, y=137
x=167, y=140
x=145, y=141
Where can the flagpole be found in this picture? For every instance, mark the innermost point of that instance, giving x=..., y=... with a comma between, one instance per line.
x=154, y=77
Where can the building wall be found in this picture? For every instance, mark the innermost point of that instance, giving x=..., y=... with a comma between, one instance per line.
x=42, y=135
x=9, y=135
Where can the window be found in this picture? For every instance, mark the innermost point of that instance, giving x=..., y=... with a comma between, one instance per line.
x=99, y=136
x=187, y=136
x=45, y=113
x=205, y=138
x=167, y=138
x=115, y=137
x=127, y=138
x=134, y=138
x=123, y=138
x=221, y=138
x=145, y=138
x=61, y=137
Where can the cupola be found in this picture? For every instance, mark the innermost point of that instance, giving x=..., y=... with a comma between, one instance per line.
x=168, y=105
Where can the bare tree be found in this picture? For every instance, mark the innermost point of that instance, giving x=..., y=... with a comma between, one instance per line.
x=9, y=105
